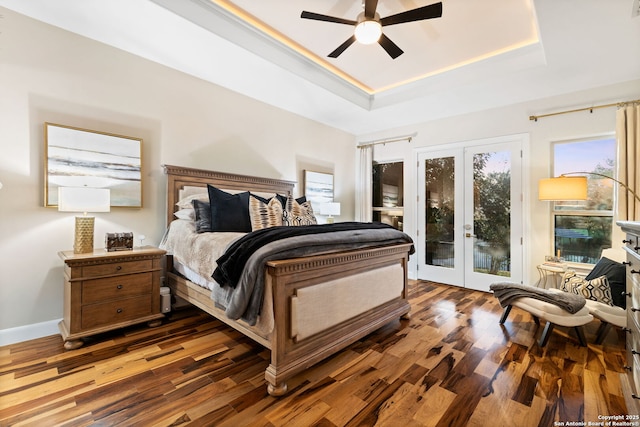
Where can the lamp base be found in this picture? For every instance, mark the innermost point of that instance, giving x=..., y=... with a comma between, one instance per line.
x=83, y=242
x=330, y=220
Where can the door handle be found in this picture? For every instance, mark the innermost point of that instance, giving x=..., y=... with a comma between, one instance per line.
x=469, y=235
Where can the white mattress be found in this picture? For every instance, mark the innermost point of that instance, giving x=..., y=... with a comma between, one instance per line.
x=195, y=255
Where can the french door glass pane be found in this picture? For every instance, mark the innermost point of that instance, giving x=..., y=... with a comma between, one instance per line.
x=492, y=213
x=440, y=211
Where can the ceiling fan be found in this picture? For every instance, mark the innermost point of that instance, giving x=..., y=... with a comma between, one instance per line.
x=368, y=26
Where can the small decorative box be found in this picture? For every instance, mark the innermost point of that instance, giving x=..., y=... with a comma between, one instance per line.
x=118, y=242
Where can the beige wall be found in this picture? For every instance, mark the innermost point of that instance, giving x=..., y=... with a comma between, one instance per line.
x=50, y=75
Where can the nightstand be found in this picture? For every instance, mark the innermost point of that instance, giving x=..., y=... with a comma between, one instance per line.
x=109, y=290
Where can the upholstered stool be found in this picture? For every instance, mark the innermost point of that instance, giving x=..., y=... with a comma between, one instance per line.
x=608, y=315
x=554, y=315
x=556, y=307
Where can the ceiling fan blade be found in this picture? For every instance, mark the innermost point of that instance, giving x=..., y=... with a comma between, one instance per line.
x=392, y=49
x=342, y=47
x=425, y=12
x=326, y=18
x=370, y=8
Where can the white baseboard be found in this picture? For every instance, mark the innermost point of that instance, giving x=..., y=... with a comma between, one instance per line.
x=28, y=332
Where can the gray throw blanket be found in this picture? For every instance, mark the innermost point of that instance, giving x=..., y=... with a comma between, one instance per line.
x=245, y=300
x=508, y=292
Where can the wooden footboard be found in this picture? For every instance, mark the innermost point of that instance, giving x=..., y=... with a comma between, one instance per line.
x=288, y=278
x=289, y=355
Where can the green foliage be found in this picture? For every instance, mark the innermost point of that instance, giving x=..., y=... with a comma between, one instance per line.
x=492, y=216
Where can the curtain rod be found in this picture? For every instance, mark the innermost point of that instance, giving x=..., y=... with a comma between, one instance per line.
x=590, y=109
x=386, y=140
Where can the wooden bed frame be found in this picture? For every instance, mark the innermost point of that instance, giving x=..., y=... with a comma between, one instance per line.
x=289, y=354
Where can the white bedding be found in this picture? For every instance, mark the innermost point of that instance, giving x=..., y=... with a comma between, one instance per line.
x=198, y=252
x=195, y=255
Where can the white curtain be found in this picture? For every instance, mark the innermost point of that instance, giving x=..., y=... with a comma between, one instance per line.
x=628, y=137
x=364, y=191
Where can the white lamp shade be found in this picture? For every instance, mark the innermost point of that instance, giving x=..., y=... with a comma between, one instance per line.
x=563, y=188
x=332, y=208
x=368, y=32
x=84, y=199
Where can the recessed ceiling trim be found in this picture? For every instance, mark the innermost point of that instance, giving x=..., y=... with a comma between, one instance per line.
x=492, y=67
x=254, y=23
x=220, y=21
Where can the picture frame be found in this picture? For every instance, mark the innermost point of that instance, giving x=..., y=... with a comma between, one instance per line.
x=318, y=187
x=76, y=157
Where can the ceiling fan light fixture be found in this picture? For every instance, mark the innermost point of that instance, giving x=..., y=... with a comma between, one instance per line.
x=368, y=31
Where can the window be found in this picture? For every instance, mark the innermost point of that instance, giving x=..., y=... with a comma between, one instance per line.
x=583, y=228
x=388, y=189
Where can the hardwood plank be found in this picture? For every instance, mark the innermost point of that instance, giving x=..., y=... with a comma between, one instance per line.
x=451, y=364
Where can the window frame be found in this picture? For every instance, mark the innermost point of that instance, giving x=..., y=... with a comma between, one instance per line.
x=582, y=213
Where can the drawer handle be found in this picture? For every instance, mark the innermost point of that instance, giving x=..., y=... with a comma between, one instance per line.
x=626, y=294
x=628, y=368
x=634, y=352
x=627, y=330
x=626, y=262
x=635, y=271
x=119, y=286
x=119, y=268
x=627, y=241
x=635, y=396
x=120, y=311
x=635, y=309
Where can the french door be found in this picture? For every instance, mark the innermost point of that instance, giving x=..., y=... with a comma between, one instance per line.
x=470, y=214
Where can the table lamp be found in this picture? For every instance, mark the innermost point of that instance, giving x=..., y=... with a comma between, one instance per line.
x=87, y=200
x=330, y=209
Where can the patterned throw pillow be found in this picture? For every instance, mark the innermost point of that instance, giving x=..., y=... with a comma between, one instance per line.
x=264, y=213
x=297, y=213
x=597, y=289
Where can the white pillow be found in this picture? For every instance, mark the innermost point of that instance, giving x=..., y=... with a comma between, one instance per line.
x=185, y=203
x=188, y=214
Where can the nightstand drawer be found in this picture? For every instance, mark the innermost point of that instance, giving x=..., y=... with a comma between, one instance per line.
x=109, y=288
x=117, y=268
x=96, y=315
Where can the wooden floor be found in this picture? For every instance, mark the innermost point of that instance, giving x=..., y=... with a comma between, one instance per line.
x=452, y=364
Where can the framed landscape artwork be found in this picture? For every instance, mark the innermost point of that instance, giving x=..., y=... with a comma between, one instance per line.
x=77, y=157
x=318, y=187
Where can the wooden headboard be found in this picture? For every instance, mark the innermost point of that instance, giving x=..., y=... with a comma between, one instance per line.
x=180, y=177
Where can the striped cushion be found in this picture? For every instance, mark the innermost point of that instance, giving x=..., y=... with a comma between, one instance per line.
x=264, y=213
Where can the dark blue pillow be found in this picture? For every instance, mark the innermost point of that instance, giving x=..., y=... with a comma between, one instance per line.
x=229, y=212
x=616, y=274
